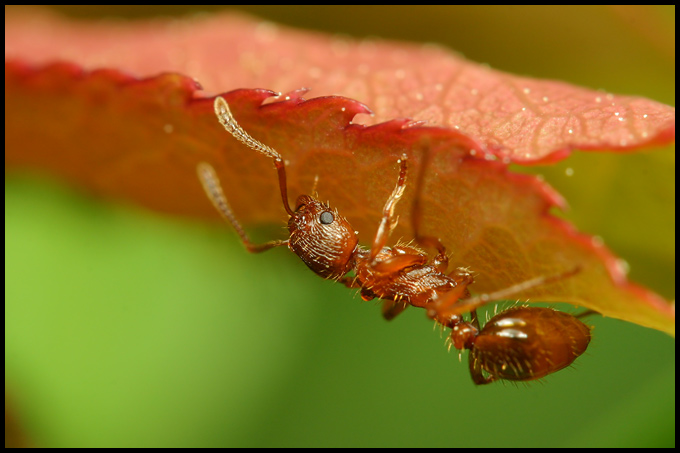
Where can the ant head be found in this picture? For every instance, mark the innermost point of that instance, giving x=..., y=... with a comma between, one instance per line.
x=322, y=238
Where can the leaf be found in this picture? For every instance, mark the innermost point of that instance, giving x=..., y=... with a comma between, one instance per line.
x=139, y=137
x=129, y=328
x=522, y=119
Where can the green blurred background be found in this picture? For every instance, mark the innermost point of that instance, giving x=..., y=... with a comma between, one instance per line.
x=127, y=328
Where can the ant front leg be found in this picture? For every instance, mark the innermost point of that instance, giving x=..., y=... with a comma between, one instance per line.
x=388, y=221
x=395, y=262
x=213, y=188
x=390, y=264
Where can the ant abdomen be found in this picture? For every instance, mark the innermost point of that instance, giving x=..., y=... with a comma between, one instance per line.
x=524, y=343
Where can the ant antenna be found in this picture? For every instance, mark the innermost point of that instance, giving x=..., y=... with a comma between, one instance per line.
x=213, y=188
x=227, y=120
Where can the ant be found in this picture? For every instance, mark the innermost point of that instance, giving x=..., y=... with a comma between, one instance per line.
x=519, y=344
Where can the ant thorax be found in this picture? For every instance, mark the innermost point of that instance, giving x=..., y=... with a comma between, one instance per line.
x=403, y=273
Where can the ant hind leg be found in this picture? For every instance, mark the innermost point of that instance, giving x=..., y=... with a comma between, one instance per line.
x=475, y=364
x=467, y=304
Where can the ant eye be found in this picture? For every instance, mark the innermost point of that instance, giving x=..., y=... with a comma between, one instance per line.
x=326, y=218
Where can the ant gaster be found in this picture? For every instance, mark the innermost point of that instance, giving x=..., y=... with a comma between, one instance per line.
x=519, y=344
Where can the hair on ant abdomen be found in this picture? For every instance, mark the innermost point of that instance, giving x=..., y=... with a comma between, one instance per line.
x=518, y=344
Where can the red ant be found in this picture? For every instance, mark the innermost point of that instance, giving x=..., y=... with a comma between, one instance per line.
x=519, y=344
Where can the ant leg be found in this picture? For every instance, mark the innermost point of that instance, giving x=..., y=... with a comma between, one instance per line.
x=441, y=260
x=392, y=308
x=586, y=313
x=462, y=276
x=397, y=262
x=453, y=305
x=213, y=188
x=475, y=365
x=438, y=309
x=388, y=222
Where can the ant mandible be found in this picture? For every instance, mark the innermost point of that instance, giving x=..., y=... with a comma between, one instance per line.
x=519, y=344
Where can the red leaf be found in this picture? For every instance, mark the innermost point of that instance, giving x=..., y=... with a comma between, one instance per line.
x=523, y=119
x=140, y=138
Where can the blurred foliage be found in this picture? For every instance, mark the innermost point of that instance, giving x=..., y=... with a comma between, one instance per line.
x=123, y=328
